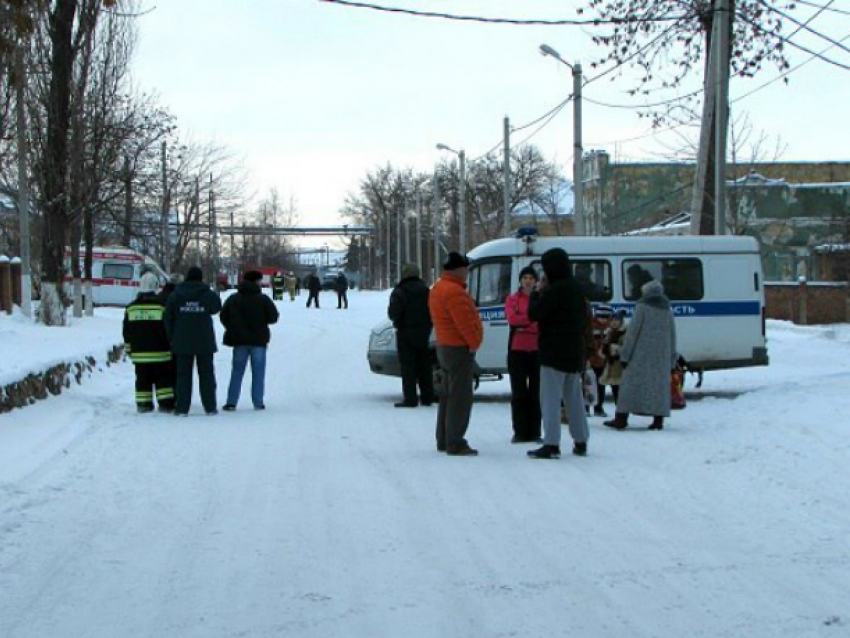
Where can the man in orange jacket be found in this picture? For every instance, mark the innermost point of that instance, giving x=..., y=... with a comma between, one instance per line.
x=459, y=334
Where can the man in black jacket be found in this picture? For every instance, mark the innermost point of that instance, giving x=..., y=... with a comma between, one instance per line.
x=146, y=342
x=314, y=286
x=559, y=307
x=188, y=320
x=246, y=317
x=409, y=313
x=341, y=285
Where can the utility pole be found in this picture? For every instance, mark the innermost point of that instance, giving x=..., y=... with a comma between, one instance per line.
x=166, y=232
x=722, y=23
x=435, y=214
x=462, y=204
x=406, y=231
x=398, y=245
x=507, y=174
x=23, y=188
x=419, y=229
x=578, y=153
x=388, y=233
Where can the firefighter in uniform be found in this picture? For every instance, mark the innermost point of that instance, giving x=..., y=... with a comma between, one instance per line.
x=146, y=342
x=277, y=286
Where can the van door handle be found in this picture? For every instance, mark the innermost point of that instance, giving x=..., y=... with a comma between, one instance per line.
x=499, y=323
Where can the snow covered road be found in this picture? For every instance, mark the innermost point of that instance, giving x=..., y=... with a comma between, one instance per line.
x=331, y=513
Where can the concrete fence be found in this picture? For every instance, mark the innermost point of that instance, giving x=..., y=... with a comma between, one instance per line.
x=10, y=283
x=808, y=302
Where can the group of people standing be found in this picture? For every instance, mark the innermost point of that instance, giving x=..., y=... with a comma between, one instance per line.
x=551, y=345
x=169, y=333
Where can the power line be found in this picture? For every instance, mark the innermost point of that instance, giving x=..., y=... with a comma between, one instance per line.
x=797, y=46
x=804, y=26
x=468, y=18
x=827, y=8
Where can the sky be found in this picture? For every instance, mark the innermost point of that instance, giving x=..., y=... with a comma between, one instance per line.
x=313, y=95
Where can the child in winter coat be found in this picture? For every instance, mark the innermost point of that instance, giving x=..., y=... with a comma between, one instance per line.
x=615, y=333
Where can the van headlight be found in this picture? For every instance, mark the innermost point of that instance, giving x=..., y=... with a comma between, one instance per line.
x=384, y=338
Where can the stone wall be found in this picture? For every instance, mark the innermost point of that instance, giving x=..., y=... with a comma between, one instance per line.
x=52, y=381
x=808, y=303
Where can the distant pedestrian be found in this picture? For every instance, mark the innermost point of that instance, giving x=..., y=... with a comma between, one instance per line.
x=523, y=361
x=291, y=284
x=408, y=310
x=559, y=307
x=298, y=286
x=188, y=320
x=612, y=343
x=314, y=286
x=341, y=285
x=146, y=343
x=648, y=357
x=246, y=317
x=459, y=334
x=148, y=279
x=600, y=315
x=278, y=285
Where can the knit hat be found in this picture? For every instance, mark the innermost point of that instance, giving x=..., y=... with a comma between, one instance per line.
x=455, y=261
x=528, y=270
x=409, y=270
x=252, y=275
x=194, y=274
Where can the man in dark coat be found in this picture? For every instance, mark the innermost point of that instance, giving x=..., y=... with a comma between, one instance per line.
x=146, y=342
x=408, y=310
x=314, y=285
x=341, y=291
x=559, y=308
x=246, y=317
x=188, y=320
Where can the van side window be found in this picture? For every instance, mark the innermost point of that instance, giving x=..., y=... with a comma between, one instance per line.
x=118, y=271
x=682, y=278
x=594, y=277
x=490, y=283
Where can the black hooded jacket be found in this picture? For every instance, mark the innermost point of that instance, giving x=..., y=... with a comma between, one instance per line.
x=246, y=316
x=408, y=310
x=188, y=318
x=560, y=310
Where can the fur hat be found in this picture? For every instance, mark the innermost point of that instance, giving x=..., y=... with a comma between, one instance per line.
x=194, y=274
x=455, y=261
x=252, y=275
x=409, y=270
x=148, y=282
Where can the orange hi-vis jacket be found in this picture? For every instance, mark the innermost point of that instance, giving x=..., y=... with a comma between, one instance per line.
x=454, y=315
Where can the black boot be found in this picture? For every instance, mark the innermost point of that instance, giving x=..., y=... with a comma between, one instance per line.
x=657, y=423
x=619, y=422
x=546, y=452
x=580, y=449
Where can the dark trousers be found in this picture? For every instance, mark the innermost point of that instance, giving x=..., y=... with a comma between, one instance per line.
x=415, y=370
x=314, y=295
x=600, y=387
x=150, y=376
x=206, y=380
x=456, y=363
x=524, y=368
x=341, y=298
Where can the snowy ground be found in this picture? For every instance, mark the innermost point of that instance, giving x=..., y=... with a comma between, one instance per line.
x=331, y=513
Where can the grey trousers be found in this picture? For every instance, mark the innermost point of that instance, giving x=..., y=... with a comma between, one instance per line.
x=455, y=398
x=554, y=386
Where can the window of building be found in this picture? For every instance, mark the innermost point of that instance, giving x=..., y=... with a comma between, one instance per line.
x=682, y=278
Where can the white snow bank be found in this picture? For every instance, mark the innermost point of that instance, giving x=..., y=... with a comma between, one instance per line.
x=27, y=347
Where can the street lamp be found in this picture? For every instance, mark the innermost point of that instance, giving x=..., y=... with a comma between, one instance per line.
x=462, y=204
x=578, y=174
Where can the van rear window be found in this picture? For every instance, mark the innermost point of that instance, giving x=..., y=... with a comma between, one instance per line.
x=490, y=283
x=118, y=271
x=682, y=278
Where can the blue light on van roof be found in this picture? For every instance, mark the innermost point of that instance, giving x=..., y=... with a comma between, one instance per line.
x=527, y=231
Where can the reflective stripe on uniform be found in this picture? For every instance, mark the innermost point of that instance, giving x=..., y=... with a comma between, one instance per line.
x=150, y=357
x=165, y=393
x=144, y=397
x=145, y=313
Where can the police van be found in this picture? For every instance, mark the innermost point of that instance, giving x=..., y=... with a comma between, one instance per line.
x=714, y=284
